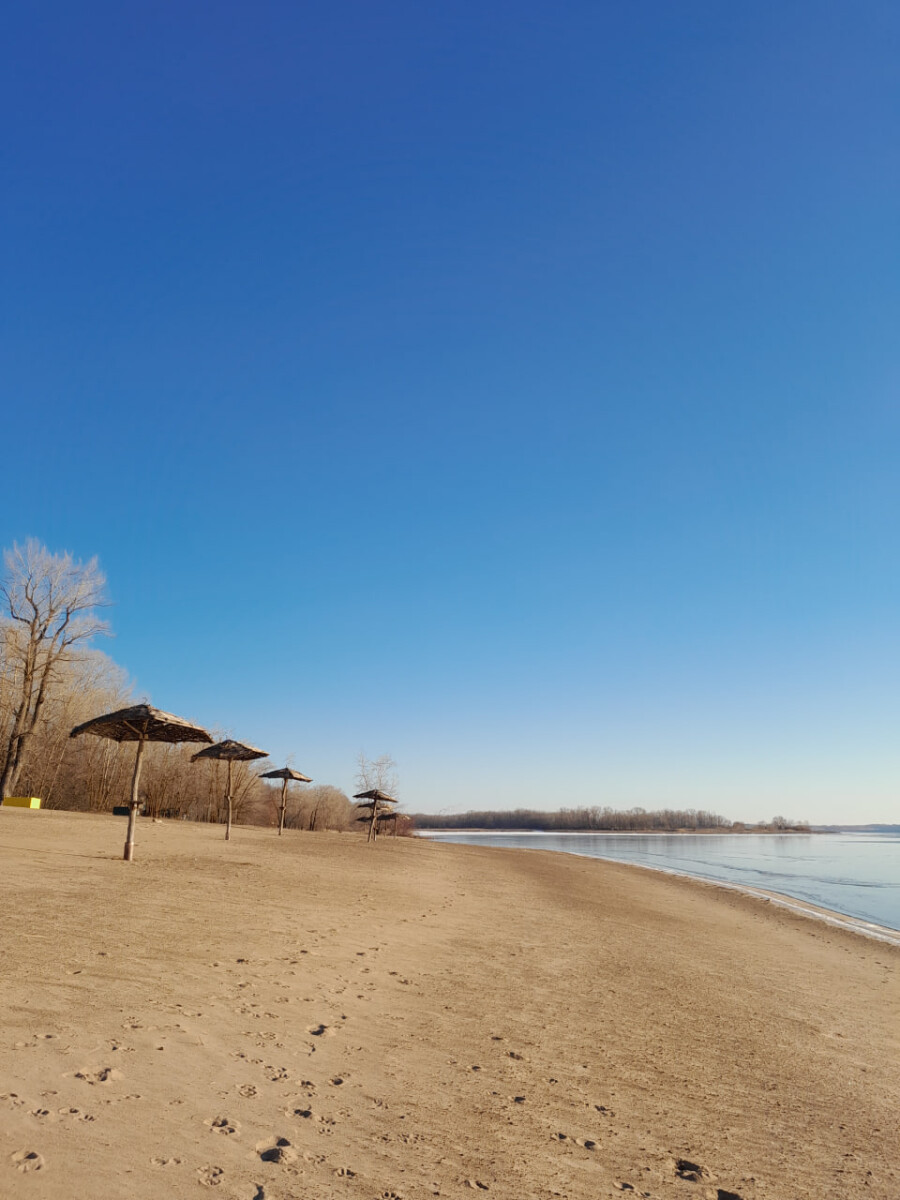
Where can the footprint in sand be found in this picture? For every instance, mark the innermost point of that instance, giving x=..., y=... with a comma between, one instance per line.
x=210, y=1176
x=103, y=1075
x=222, y=1125
x=320, y=1030
x=276, y=1074
x=276, y=1150
x=685, y=1169
x=11, y=1100
x=165, y=1162
x=40, y=1113
x=27, y=1160
x=247, y=1090
x=76, y=1114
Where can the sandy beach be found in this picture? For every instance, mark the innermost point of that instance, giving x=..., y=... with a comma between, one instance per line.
x=309, y=1016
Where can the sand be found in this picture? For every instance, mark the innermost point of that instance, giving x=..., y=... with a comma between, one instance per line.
x=310, y=1017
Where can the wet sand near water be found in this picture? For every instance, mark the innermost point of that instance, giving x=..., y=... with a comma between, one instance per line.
x=310, y=1016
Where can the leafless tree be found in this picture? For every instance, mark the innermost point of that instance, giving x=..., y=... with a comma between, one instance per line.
x=49, y=608
x=85, y=773
x=378, y=773
x=321, y=806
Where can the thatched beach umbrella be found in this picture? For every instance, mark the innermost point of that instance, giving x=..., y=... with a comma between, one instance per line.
x=231, y=751
x=383, y=818
x=140, y=724
x=284, y=774
x=373, y=799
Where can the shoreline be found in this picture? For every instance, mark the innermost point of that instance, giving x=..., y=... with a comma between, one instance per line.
x=718, y=831
x=831, y=916
x=312, y=1015
x=815, y=912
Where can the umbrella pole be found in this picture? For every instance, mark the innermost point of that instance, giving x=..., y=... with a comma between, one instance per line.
x=373, y=828
x=228, y=826
x=283, y=806
x=135, y=802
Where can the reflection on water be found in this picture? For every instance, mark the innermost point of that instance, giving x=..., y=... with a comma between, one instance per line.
x=853, y=873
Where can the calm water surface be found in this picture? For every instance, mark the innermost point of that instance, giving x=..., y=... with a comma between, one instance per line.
x=853, y=873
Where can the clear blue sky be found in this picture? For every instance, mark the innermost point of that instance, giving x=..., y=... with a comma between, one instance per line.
x=511, y=387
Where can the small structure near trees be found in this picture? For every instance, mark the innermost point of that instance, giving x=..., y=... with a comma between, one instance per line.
x=232, y=752
x=140, y=723
x=375, y=801
x=284, y=774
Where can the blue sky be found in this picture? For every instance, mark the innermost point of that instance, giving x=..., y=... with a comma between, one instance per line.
x=512, y=388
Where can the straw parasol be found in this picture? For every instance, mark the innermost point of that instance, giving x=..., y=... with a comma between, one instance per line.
x=284, y=774
x=231, y=751
x=373, y=799
x=384, y=818
x=140, y=724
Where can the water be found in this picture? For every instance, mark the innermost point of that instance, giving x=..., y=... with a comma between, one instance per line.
x=857, y=874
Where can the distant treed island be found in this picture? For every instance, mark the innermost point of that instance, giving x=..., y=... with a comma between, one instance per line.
x=602, y=820
x=52, y=678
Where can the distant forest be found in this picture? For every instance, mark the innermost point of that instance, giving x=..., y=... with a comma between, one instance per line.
x=584, y=819
x=587, y=820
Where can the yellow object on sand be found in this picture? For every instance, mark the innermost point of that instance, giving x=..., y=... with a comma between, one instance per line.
x=21, y=802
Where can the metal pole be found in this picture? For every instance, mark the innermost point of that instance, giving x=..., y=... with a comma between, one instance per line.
x=135, y=802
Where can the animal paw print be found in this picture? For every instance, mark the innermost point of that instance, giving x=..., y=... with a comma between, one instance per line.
x=103, y=1075
x=27, y=1160
x=276, y=1150
x=76, y=1114
x=222, y=1125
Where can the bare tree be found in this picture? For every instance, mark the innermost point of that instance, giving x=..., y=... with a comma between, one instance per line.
x=378, y=773
x=66, y=773
x=376, y=776
x=49, y=603
x=321, y=806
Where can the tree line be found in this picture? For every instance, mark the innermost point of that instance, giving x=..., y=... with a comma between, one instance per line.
x=53, y=678
x=597, y=820
x=576, y=820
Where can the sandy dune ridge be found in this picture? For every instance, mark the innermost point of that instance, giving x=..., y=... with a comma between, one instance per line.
x=309, y=1017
